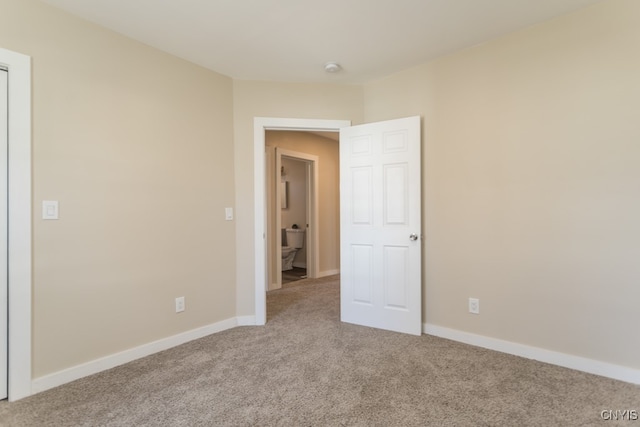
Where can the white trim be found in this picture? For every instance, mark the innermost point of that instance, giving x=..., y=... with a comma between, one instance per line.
x=246, y=320
x=19, y=217
x=578, y=363
x=102, y=364
x=260, y=125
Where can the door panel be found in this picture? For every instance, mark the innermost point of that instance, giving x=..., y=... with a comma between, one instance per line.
x=396, y=285
x=380, y=209
x=362, y=196
x=395, y=195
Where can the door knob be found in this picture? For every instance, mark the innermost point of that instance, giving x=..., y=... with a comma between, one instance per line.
x=413, y=237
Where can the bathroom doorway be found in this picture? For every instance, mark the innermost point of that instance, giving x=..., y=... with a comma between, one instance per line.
x=295, y=188
x=263, y=238
x=291, y=215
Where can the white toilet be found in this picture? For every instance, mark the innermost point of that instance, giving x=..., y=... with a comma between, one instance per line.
x=295, y=241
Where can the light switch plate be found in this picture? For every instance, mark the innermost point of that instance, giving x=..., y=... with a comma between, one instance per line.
x=474, y=306
x=228, y=214
x=49, y=209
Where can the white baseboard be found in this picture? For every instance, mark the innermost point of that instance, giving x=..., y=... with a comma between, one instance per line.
x=246, y=320
x=590, y=366
x=102, y=364
x=327, y=273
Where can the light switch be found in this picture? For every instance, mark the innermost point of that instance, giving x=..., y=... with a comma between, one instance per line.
x=228, y=214
x=49, y=209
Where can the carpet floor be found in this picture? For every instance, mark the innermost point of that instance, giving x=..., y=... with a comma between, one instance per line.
x=293, y=275
x=306, y=368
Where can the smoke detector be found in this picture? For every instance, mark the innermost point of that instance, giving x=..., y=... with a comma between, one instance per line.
x=332, y=67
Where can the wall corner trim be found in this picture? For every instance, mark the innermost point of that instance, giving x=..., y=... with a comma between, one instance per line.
x=609, y=370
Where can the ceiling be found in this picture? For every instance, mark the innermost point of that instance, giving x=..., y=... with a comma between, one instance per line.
x=291, y=40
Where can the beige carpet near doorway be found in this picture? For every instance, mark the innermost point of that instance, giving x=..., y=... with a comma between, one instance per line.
x=293, y=275
x=305, y=368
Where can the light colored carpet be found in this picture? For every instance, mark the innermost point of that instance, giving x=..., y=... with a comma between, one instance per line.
x=294, y=275
x=306, y=368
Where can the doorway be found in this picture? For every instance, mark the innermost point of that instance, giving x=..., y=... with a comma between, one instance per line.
x=380, y=208
x=294, y=216
x=261, y=126
x=302, y=180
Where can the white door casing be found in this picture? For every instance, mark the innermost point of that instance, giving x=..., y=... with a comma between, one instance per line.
x=380, y=225
x=4, y=301
x=260, y=126
x=19, y=219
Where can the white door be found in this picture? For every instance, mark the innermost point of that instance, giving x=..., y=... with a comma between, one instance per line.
x=380, y=225
x=4, y=105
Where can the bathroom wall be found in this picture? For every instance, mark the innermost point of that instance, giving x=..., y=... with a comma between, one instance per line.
x=296, y=211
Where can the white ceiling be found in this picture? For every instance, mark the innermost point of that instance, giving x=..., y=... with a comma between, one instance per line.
x=291, y=40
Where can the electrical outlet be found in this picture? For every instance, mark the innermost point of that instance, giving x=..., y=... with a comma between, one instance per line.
x=474, y=305
x=179, y=304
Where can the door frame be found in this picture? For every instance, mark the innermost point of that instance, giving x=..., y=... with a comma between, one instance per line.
x=311, y=202
x=19, y=216
x=260, y=126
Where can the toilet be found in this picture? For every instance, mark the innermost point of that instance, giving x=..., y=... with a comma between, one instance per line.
x=294, y=241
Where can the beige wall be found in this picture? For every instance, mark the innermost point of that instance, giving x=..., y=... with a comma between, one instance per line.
x=531, y=182
x=288, y=100
x=136, y=145
x=327, y=151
